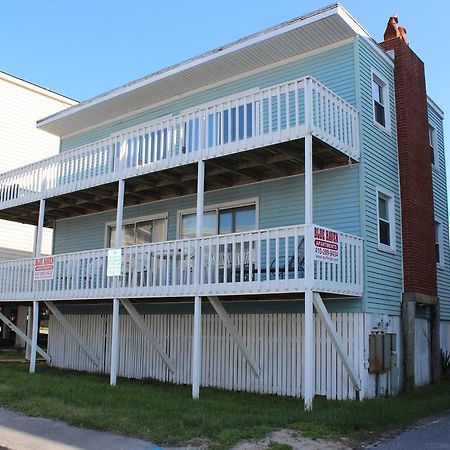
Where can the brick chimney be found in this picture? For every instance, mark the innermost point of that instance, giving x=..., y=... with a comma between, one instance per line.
x=416, y=190
x=416, y=184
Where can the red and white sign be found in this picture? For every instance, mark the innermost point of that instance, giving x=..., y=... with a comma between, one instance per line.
x=326, y=245
x=44, y=268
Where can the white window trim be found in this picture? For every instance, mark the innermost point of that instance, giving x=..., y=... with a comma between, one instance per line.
x=108, y=225
x=387, y=107
x=390, y=197
x=440, y=241
x=434, y=165
x=219, y=206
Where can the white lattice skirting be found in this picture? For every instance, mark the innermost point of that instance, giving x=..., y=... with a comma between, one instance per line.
x=275, y=341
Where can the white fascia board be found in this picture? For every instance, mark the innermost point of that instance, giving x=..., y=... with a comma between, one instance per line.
x=358, y=29
x=36, y=88
x=435, y=107
x=213, y=54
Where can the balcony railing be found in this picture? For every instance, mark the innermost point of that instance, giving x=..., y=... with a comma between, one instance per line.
x=241, y=122
x=256, y=262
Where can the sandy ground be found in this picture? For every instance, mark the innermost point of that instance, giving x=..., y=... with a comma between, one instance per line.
x=293, y=439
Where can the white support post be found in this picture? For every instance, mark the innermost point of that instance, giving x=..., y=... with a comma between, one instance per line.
x=119, y=213
x=309, y=356
x=197, y=333
x=336, y=340
x=38, y=243
x=20, y=333
x=28, y=342
x=147, y=333
x=37, y=252
x=200, y=198
x=115, y=343
x=197, y=348
x=234, y=333
x=34, y=336
x=72, y=332
x=309, y=360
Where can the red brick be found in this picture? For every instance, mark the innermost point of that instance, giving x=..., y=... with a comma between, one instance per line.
x=416, y=184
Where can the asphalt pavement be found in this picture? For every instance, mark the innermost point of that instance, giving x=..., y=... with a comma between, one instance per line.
x=19, y=432
x=430, y=434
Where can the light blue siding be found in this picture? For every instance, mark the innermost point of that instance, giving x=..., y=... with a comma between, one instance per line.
x=334, y=68
x=281, y=203
x=441, y=213
x=379, y=168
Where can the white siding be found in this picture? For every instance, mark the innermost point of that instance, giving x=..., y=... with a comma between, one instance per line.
x=21, y=143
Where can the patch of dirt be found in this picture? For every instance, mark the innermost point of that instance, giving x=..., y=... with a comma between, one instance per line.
x=293, y=439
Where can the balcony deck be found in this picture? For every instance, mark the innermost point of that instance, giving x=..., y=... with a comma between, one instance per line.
x=272, y=261
x=265, y=123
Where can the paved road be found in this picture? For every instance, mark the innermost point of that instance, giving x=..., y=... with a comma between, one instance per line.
x=433, y=434
x=18, y=432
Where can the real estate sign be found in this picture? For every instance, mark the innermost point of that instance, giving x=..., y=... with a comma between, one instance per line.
x=326, y=245
x=44, y=268
x=114, y=267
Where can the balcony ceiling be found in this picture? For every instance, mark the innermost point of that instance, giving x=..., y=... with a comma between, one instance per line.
x=266, y=163
x=327, y=26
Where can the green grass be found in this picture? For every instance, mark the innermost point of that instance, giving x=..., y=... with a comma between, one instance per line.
x=165, y=414
x=11, y=354
x=277, y=446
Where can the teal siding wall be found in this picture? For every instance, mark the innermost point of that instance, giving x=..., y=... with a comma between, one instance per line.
x=441, y=214
x=281, y=202
x=379, y=168
x=333, y=67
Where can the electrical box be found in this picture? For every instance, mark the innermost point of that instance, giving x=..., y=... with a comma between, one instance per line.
x=381, y=347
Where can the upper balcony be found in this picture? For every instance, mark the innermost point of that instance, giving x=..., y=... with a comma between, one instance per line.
x=255, y=135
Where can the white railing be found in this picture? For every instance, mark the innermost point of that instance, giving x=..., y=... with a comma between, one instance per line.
x=256, y=262
x=241, y=122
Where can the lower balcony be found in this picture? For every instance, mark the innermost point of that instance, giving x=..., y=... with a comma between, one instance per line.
x=282, y=260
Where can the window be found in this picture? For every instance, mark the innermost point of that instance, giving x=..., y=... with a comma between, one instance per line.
x=380, y=99
x=141, y=231
x=439, y=245
x=433, y=146
x=386, y=222
x=220, y=220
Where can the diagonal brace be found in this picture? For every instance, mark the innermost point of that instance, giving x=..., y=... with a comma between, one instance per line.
x=70, y=330
x=19, y=332
x=234, y=333
x=147, y=333
x=325, y=317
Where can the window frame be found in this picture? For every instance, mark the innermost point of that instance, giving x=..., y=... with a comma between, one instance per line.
x=439, y=239
x=390, y=200
x=217, y=207
x=108, y=225
x=432, y=138
x=383, y=82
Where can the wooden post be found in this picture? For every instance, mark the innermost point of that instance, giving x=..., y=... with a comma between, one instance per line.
x=309, y=359
x=115, y=343
x=408, y=329
x=197, y=333
x=435, y=343
x=34, y=336
x=37, y=252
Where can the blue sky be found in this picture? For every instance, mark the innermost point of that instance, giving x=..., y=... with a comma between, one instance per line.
x=81, y=48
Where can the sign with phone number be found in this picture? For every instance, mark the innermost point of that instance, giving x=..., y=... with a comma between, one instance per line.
x=326, y=245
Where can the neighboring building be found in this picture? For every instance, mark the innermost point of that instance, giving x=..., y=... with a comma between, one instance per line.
x=21, y=105
x=242, y=188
